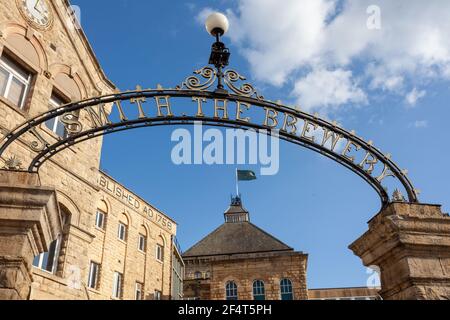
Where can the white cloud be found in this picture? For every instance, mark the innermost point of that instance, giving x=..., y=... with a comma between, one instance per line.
x=414, y=96
x=328, y=89
x=281, y=41
x=419, y=124
x=203, y=15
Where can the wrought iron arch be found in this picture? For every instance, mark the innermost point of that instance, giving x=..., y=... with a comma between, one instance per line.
x=196, y=88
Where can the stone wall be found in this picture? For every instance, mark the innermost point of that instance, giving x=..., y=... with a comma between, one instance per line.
x=244, y=269
x=60, y=59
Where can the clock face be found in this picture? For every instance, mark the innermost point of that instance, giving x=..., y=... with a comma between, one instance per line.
x=37, y=12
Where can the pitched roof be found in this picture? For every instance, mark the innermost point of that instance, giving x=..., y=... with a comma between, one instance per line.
x=236, y=237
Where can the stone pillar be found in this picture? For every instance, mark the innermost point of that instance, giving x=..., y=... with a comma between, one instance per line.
x=29, y=223
x=410, y=243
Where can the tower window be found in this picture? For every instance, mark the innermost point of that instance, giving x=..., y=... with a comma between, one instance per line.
x=14, y=82
x=286, y=290
x=259, y=291
x=231, y=291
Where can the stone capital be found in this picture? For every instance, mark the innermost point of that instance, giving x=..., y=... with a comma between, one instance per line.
x=410, y=243
x=29, y=222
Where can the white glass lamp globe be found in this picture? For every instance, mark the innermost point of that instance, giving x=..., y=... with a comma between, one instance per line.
x=217, y=23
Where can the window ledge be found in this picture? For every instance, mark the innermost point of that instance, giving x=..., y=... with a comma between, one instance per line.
x=100, y=229
x=116, y=299
x=13, y=107
x=122, y=241
x=94, y=291
x=49, y=276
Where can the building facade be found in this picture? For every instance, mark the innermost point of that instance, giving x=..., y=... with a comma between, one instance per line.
x=114, y=245
x=239, y=261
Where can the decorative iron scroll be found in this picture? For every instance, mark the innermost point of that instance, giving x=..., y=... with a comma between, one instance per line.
x=210, y=76
x=194, y=83
x=279, y=119
x=246, y=90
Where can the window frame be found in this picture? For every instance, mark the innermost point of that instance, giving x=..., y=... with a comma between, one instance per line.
x=259, y=286
x=139, y=288
x=231, y=291
x=54, y=263
x=56, y=101
x=160, y=253
x=98, y=213
x=5, y=61
x=125, y=232
x=144, y=242
x=117, y=285
x=96, y=283
x=286, y=283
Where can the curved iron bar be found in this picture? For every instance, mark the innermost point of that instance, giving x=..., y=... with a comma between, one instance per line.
x=178, y=93
x=157, y=122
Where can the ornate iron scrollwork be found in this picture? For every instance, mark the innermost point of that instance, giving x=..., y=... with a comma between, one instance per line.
x=194, y=83
x=246, y=90
x=211, y=75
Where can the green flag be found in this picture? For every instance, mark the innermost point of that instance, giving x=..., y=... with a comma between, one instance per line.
x=246, y=175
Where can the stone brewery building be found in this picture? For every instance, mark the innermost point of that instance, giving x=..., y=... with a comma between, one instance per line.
x=239, y=261
x=114, y=245
x=70, y=231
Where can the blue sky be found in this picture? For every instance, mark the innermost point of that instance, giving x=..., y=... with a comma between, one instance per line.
x=391, y=85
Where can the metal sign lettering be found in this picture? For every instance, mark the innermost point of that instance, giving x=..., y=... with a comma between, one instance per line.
x=241, y=106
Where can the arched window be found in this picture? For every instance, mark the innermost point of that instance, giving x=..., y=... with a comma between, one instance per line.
x=259, y=291
x=231, y=291
x=15, y=81
x=122, y=231
x=286, y=290
x=142, y=239
x=101, y=216
x=160, y=249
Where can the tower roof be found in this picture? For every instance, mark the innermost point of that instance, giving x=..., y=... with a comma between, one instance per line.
x=236, y=236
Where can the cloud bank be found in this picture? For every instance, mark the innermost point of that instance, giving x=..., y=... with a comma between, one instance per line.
x=332, y=53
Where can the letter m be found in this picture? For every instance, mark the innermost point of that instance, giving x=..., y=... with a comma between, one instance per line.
x=99, y=118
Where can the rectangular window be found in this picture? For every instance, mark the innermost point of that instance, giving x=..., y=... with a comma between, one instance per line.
x=55, y=125
x=117, y=285
x=14, y=82
x=100, y=220
x=122, y=232
x=94, y=274
x=158, y=295
x=139, y=291
x=159, y=252
x=142, y=244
